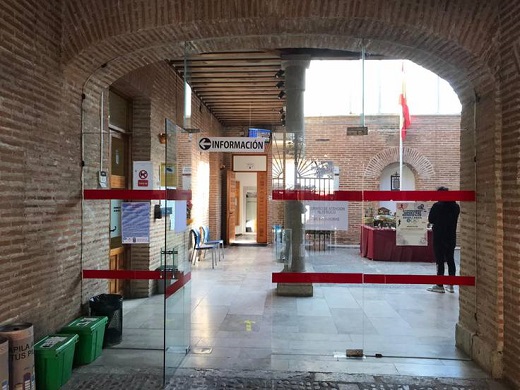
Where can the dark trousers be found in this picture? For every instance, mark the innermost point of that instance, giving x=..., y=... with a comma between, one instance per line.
x=444, y=253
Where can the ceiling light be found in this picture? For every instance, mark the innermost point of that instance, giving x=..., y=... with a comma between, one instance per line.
x=281, y=95
x=280, y=84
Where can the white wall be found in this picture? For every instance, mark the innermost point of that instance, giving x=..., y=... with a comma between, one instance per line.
x=408, y=182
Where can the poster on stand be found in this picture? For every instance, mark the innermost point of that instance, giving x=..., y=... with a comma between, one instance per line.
x=135, y=222
x=411, y=224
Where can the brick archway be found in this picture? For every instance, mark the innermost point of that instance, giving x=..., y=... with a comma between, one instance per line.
x=100, y=44
x=114, y=39
x=421, y=165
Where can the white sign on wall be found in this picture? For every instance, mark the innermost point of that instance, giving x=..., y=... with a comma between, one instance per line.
x=249, y=163
x=143, y=175
x=232, y=144
x=326, y=215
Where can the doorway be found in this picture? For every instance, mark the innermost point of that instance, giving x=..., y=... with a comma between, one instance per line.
x=249, y=202
x=246, y=226
x=251, y=205
x=120, y=128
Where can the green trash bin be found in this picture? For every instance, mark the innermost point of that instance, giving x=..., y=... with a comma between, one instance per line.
x=91, y=331
x=53, y=357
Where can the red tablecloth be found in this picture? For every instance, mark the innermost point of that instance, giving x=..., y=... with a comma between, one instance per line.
x=379, y=244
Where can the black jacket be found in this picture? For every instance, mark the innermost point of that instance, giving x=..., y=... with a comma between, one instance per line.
x=444, y=217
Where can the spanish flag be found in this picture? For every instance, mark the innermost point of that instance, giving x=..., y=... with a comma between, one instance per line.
x=404, y=122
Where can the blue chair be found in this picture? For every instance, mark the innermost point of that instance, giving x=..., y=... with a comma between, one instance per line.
x=199, y=247
x=206, y=239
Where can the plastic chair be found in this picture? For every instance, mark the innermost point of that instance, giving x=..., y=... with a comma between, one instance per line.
x=206, y=239
x=199, y=247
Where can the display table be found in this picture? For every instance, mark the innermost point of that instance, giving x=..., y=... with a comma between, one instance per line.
x=379, y=244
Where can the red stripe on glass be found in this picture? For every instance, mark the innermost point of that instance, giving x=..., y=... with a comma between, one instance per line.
x=126, y=274
x=311, y=277
x=137, y=194
x=181, y=281
x=180, y=277
x=355, y=278
x=360, y=196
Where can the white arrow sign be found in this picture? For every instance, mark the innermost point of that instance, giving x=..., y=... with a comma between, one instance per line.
x=232, y=144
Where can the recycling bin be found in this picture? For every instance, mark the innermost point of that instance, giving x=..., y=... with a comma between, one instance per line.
x=91, y=331
x=4, y=363
x=110, y=306
x=53, y=359
x=21, y=355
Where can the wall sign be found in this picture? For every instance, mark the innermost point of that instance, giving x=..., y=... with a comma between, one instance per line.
x=143, y=175
x=168, y=175
x=326, y=215
x=249, y=163
x=232, y=144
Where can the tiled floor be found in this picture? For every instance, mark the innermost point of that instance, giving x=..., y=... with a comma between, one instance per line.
x=238, y=322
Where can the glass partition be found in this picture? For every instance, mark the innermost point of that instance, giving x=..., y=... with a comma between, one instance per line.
x=351, y=196
x=135, y=248
x=177, y=299
x=366, y=177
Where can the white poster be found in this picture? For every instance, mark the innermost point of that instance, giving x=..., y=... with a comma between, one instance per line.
x=115, y=218
x=178, y=218
x=326, y=215
x=411, y=222
x=135, y=218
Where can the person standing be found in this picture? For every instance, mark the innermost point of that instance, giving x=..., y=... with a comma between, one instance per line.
x=444, y=216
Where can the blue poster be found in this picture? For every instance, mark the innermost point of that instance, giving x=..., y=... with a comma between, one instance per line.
x=135, y=224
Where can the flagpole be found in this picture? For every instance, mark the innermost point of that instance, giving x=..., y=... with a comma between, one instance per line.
x=402, y=127
x=400, y=159
x=401, y=124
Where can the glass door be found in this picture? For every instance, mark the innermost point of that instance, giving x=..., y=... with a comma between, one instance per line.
x=177, y=270
x=358, y=192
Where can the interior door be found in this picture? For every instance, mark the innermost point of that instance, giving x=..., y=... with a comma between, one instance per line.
x=118, y=179
x=237, y=208
x=261, y=207
x=231, y=206
x=117, y=262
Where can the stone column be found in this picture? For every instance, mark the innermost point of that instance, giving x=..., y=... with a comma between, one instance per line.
x=295, y=67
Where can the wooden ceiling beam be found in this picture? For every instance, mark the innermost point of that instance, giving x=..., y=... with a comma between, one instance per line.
x=251, y=76
x=231, y=69
x=235, y=93
x=196, y=83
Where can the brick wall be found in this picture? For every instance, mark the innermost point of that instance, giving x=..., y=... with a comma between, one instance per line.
x=509, y=274
x=431, y=151
x=39, y=170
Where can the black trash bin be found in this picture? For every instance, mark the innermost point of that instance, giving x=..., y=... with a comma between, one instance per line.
x=110, y=305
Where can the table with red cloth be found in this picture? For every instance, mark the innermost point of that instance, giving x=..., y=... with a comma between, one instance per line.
x=379, y=244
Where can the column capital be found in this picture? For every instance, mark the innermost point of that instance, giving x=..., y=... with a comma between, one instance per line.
x=300, y=60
